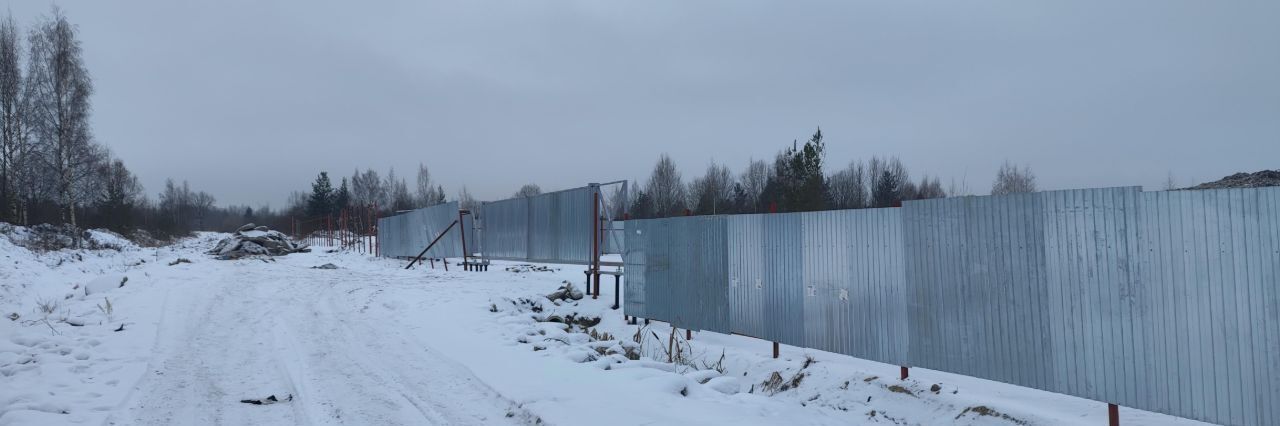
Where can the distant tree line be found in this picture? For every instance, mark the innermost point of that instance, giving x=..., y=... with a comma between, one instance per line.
x=53, y=170
x=795, y=182
x=367, y=189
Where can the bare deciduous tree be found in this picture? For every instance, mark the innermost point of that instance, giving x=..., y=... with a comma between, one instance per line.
x=1170, y=183
x=12, y=144
x=849, y=187
x=528, y=190
x=398, y=196
x=753, y=181
x=466, y=201
x=1011, y=180
x=58, y=89
x=930, y=188
x=428, y=195
x=958, y=189
x=713, y=192
x=665, y=189
x=367, y=189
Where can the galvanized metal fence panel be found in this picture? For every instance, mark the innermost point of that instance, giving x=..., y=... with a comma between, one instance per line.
x=406, y=234
x=504, y=230
x=1163, y=301
x=972, y=285
x=766, y=285
x=555, y=227
x=783, y=279
x=855, y=301
x=634, y=259
x=685, y=272
x=560, y=226
x=1210, y=263
x=747, y=313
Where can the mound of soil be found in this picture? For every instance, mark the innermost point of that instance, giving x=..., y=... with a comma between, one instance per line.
x=1258, y=179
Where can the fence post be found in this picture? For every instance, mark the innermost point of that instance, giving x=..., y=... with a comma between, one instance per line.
x=1113, y=415
x=595, y=242
x=775, y=350
x=462, y=232
x=903, y=373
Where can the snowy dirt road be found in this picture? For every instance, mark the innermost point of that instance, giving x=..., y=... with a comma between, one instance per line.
x=254, y=330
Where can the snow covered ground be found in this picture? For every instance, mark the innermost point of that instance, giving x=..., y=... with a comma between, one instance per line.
x=372, y=343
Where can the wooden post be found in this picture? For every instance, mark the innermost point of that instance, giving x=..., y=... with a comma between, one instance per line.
x=775, y=350
x=688, y=334
x=903, y=373
x=1113, y=415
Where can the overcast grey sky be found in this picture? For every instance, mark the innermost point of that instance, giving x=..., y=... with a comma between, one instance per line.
x=250, y=99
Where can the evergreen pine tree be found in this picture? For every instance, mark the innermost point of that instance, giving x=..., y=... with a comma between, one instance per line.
x=320, y=202
x=342, y=197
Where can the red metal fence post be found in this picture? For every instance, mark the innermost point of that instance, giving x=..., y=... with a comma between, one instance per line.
x=462, y=231
x=1113, y=415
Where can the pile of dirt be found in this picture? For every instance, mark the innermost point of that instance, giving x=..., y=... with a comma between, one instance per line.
x=1258, y=179
x=252, y=240
x=45, y=237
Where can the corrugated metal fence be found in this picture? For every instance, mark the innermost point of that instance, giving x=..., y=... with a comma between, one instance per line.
x=406, y=234
x=555, y=227
x=1163, y=301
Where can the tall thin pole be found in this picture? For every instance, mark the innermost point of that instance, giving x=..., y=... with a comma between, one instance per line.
x=462, y=230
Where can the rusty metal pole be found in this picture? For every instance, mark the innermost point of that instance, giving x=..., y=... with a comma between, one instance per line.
x=688, y=334
x=1113, y=415
x=462, y=231
x=903, y=373
x=775, y=350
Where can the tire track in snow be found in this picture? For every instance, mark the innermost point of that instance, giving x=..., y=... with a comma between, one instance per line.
x=247, y=331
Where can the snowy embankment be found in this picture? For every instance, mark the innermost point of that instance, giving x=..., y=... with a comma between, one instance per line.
x=371, y=343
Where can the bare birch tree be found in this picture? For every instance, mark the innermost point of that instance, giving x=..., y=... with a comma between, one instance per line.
x=1011, y=180
x=58, y=89
x=427, y=194
x=665, y=189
